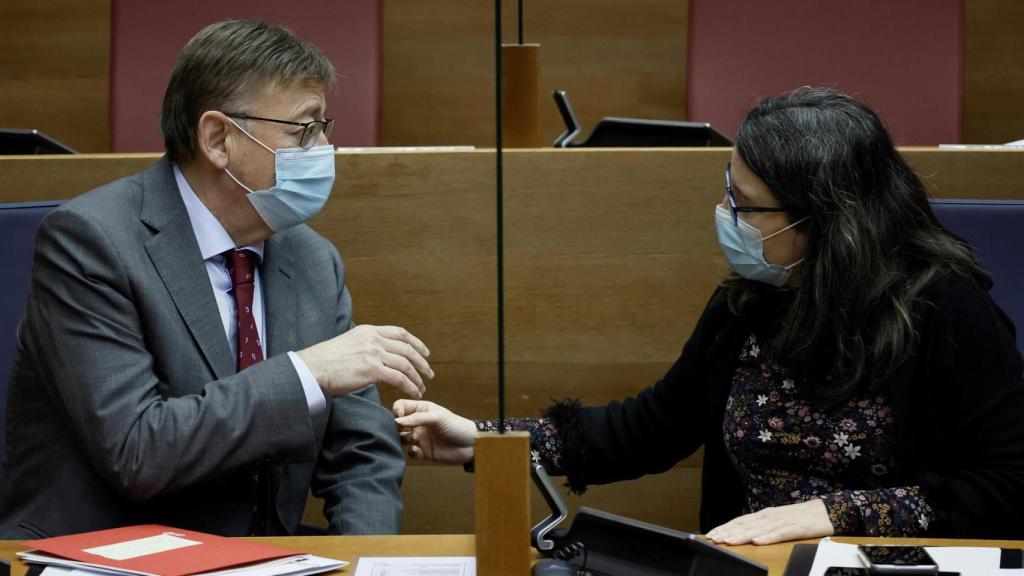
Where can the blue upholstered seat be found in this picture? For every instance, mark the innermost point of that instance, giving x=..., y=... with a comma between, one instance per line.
x=18, y=225
x=995, y=230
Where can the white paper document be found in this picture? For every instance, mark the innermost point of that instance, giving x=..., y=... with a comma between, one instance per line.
x=142, y=547
x=58, y=571
x=967, y=561
x=416, y=566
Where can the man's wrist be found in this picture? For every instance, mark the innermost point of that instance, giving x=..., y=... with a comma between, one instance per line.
x=316, y=397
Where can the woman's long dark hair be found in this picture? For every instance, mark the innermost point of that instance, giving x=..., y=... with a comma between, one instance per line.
x=873, y=243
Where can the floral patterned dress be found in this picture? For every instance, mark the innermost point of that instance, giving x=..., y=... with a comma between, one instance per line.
x=787, y=451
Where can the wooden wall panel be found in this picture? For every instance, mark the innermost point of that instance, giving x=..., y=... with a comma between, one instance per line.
x=614, y=59
x=348, y=32
x=993, y=75
x=889, y=54
x=54, y=70
x=628, y=60
x=437, y=83
x=611, y=256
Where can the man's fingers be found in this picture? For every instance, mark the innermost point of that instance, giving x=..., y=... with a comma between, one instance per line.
x=403, y=365
x=399, y=333
x=392, y=363
x=392, y=377
x=410, y=353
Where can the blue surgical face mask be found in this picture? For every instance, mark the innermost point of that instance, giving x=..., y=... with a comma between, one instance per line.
x=744, y=249
x=304, y=178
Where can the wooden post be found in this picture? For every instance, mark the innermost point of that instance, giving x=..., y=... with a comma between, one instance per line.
x=520, y=80
x=503, y=504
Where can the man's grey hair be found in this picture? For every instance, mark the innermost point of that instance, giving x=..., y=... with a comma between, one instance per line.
x=224, y=66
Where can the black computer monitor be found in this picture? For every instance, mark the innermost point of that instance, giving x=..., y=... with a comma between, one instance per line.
x=20, y=141
x=613, y=132
x=637, y=132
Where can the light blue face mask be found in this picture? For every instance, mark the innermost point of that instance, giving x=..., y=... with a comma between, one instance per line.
x=744, y=249
x=304, y=178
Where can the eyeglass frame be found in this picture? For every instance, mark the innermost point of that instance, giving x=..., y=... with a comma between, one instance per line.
x=732, y=200
x=325, y=126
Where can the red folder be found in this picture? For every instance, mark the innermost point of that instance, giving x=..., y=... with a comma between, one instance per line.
x=210, y=554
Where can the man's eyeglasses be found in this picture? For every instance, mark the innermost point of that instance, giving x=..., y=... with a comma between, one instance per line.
x=311, y=130
x=732, y=200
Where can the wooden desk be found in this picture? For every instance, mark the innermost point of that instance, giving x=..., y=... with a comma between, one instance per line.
x=350, y=548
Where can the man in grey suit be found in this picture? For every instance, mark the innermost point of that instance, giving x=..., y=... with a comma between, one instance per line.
x=188, y=356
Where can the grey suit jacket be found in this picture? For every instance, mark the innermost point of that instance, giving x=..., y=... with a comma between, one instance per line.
x=124, y=405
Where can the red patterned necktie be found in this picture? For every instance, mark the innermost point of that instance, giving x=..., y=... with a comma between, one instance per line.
x=242, y=264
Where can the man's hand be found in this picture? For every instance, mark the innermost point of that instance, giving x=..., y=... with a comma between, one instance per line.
x=434, y=433
x=369, y=355
x=778, y=524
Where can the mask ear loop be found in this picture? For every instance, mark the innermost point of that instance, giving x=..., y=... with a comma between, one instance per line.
x=254, y=139
x=232, y=176
x=772, y=235
x=777, y=232
x=795, y=264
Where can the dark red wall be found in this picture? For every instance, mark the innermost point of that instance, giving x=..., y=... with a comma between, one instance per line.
x=904, y=58
x=147, y=36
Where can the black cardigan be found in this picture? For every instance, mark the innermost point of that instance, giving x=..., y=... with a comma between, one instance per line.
x=958, y=404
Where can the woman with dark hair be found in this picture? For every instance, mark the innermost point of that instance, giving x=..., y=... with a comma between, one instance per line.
x=851, y=376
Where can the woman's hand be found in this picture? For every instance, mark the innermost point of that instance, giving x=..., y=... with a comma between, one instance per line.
x=433, y=432
x=778, y=524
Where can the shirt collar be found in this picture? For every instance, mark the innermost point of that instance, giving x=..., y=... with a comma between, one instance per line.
x=213, y=239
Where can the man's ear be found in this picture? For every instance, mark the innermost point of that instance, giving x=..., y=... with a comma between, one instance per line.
x=212, y=136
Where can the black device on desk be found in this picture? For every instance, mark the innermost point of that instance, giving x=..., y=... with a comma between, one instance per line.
x=613, y=132
x=897, y=559
x=19, y=141
x=603, y=543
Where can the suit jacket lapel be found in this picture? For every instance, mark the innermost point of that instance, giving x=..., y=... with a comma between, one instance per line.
x=279, y=297
x=281, y=307
x=175, y=254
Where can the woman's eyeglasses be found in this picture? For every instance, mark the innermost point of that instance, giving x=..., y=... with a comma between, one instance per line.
x=732, y=200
